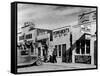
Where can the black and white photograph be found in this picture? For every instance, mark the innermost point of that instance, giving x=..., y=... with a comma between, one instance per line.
x=54, y=37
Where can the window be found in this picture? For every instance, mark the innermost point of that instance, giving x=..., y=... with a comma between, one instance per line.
x=29, y=36
x=83, y=46
x=78, y=47
x=88, y=46
x=59, y=50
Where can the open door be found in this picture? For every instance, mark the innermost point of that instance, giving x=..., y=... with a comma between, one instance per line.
x=63, y=52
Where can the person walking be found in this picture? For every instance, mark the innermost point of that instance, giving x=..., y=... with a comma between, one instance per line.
x=54, y=56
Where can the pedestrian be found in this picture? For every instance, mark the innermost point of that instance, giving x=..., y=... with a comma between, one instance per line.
x=32, y=47
x=54, y=56
x=46, y=53
x=49, y=54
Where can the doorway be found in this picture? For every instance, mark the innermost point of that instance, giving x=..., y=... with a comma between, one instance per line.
x=63, y=52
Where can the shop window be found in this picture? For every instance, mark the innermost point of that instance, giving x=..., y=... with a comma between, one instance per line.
x=59, y=50
x=78, y=47
x=88, y=46
x=83, y=46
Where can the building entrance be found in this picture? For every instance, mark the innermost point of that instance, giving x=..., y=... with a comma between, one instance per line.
x=43, y=49
x=63, y=52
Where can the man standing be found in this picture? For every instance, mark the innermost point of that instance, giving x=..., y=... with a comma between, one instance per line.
x=54, y=56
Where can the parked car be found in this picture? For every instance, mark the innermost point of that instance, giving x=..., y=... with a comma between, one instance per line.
x=25, y=59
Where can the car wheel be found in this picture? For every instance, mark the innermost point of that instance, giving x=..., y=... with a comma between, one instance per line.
x=38, y=62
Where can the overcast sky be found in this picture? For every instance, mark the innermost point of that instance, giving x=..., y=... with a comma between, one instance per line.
x=48, y=17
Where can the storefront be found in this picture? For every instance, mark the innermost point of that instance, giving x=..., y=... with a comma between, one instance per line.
x=43, y=41
x=84, y=51
x=26, y=43
x=61, y=42
x=36, y=39
x=75, y=44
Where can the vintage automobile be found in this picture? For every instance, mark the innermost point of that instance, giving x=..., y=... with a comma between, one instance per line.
x=25, y=59
x=25, y=56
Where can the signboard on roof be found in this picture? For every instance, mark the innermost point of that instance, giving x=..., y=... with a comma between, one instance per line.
x=84, y=18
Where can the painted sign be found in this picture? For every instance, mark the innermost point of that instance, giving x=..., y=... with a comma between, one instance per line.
x=60, y=33
x=83, y=59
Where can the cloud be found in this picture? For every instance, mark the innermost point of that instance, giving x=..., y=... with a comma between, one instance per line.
x=46, y=16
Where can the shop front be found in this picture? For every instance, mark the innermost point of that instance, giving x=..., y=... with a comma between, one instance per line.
x=85, y=48
x=84, y=52
x=43, y=41
x=61, y=43
x=42, y=49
